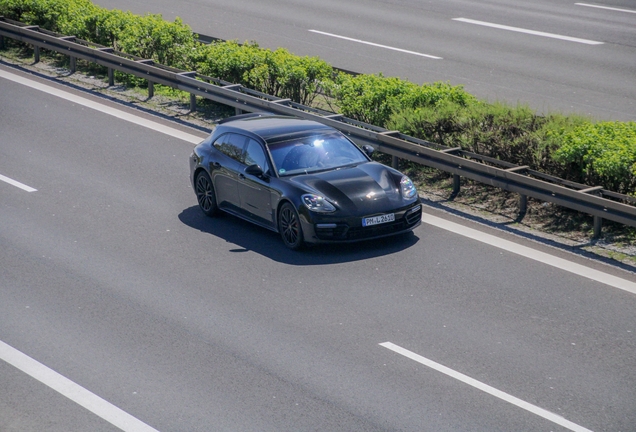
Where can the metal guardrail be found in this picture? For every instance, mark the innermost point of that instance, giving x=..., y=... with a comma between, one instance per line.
x=599, y=202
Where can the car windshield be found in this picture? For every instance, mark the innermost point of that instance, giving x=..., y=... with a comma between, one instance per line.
x=314, y=153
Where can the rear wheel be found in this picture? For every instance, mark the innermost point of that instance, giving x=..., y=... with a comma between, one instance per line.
x=289, y=227
x=205, y=194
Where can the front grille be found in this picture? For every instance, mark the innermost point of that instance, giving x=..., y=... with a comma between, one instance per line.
x=359, y=233
x=413, y=216
x=344, y=232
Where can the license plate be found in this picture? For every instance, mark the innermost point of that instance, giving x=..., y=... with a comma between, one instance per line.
x=376, y=220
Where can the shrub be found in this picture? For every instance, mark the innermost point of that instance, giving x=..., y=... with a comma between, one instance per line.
x=367, y=98
x=285, y=75
x=43, y=13
x=514, y=134
x=374, y=98
x=229, y=61
x=434, y=94
x=600, y=154
x=105, y=27
x=152, y=37
x=62, y=16
x=277, y=73
x=148, y=36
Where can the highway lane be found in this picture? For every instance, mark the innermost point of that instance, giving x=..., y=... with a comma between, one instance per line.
x=546, y=73
x=111, y=277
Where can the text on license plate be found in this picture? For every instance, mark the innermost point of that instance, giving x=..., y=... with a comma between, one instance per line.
x=375, y=220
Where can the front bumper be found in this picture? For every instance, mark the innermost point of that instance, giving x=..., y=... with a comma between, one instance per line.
x=333, y=230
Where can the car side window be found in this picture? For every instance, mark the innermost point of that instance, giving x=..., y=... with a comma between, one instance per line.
x=255, y=154
x=231, y=145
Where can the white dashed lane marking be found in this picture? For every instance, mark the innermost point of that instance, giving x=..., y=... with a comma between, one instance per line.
x=530, y=32
x=73, y=391
x=17, y=184
x=554, y=418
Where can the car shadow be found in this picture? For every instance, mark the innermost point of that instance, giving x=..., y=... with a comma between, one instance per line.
x=244, y=236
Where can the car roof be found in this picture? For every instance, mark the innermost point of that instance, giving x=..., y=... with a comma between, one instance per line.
x=273, y=127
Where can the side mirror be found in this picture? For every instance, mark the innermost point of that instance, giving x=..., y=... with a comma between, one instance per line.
x=368, y=149
x=254, y=170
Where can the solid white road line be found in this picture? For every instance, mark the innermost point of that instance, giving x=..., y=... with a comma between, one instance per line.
x=73, y=391
x=532, y=32
x=606, y=7
x=102, y=108
x=17, y=184
x=376, y=45
x=554, y=418
x=563, y=264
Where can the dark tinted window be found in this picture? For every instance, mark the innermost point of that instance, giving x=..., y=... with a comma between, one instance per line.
x=231, y=145
x=255, y=154
x=314, y=153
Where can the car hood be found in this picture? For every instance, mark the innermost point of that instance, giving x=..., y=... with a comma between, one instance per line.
x=363, y=189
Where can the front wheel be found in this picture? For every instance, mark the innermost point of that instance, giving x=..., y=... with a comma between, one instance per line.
x=289, y=227
x=205, y=194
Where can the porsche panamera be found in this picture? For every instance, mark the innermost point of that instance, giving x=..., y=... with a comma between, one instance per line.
x=300, y=178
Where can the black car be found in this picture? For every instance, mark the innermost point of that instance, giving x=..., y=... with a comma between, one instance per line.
x=302, y=179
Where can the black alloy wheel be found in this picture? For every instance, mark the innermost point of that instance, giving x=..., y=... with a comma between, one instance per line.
x=289, y=227
x=205, y=194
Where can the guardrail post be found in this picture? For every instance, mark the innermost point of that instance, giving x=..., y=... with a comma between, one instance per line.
x=1, y=42
x=598, y=220
x=238, y=111
x=151, y=85
x=36, y=54
x=456, y=185
x=73, y=60
x=598, y=225
x=193, y=97
x=395, y=162
x=111, y=71
x=523, y=205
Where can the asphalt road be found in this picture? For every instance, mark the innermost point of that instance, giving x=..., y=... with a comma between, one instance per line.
x=546, y=72
x=111, y=277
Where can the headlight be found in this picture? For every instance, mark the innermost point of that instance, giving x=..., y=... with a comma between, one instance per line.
x=317, y=203
x=408, y=188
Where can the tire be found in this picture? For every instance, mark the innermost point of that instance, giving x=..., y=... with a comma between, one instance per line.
x=205, y=194
x=289, y=227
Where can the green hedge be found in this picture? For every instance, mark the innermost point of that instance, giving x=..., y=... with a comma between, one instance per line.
x=374, y=98
x=277, y=73
x=571, y=147
x=61, y=16
x=515, y=134
x=601, y=153
x=148, y=36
